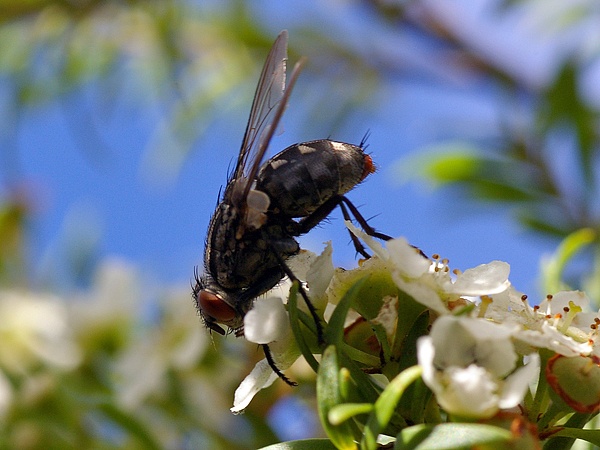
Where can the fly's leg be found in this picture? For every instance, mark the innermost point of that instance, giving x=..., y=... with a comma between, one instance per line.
x=366, y=227
x=362, y=221
x=311, y=308
x=311, y=221
x=273, y=366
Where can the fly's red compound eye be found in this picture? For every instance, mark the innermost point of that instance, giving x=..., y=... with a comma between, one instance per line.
x=213, y=306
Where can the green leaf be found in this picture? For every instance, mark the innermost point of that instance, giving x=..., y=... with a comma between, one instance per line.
x=565, y=105
x=442, y=164
x=385, y=406
x=304, y=444
x=450, y=436
x=334, y=333
x=553, y=268
x=295, y=316
x=591, y=436
x=329, y=396
x=413, y=324
x=575, y=426
x=131, y=424
x=345, y=411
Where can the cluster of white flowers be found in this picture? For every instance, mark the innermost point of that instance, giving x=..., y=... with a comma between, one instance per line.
x=481, y=355
x=43, y=334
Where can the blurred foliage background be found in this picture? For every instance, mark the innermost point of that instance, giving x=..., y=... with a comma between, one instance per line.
x=97, y=365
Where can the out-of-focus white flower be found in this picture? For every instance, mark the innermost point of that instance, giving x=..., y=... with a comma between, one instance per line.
x=141, y=370
x=470, y=365
x=108, y=310
x=34, y=329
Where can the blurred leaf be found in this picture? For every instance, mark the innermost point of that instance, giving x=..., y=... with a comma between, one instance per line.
x=565, y=105
x=451, y=436
x=487, y=177
x=13, y=214
x=446, y=163
x=305, y=444
x=545, y=220
x=576, y=421
x=134, y=427
x=552, y=268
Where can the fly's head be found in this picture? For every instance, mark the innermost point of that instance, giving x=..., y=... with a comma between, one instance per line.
x=212, y=306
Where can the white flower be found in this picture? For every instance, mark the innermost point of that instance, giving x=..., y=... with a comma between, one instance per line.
x=261, y=377
x=573, y=307
x=430, y=282
x=561, y=322
x=548, y=336
x=470, y=364
x=485, y=279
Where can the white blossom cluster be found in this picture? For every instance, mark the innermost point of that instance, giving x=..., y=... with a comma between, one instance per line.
x=476, y=360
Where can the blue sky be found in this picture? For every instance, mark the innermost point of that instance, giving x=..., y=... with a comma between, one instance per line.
x=118, y=208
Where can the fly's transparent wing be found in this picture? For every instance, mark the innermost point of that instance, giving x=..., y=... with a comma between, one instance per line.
x=268, y=106
x=269, y=92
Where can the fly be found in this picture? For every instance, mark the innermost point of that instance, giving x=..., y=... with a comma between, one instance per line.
x=264, y=207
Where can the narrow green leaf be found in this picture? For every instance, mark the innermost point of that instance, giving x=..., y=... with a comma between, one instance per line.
x=591, y=436
x=343, y=412
x=386, y=405
x=299, y=333
x=445, y=163
x=575, y=424
x=450, y=436
x=329, y=396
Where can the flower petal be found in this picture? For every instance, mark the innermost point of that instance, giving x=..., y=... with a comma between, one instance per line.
x=406, y=258
x=320, y=274
x=422, y=294
x=485, y=279
x=262, y=376
x=516, y=385
x=266, y=322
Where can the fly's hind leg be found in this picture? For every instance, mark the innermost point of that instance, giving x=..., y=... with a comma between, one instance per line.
x=311, y=308
x=274, y=367
x=347, y=207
